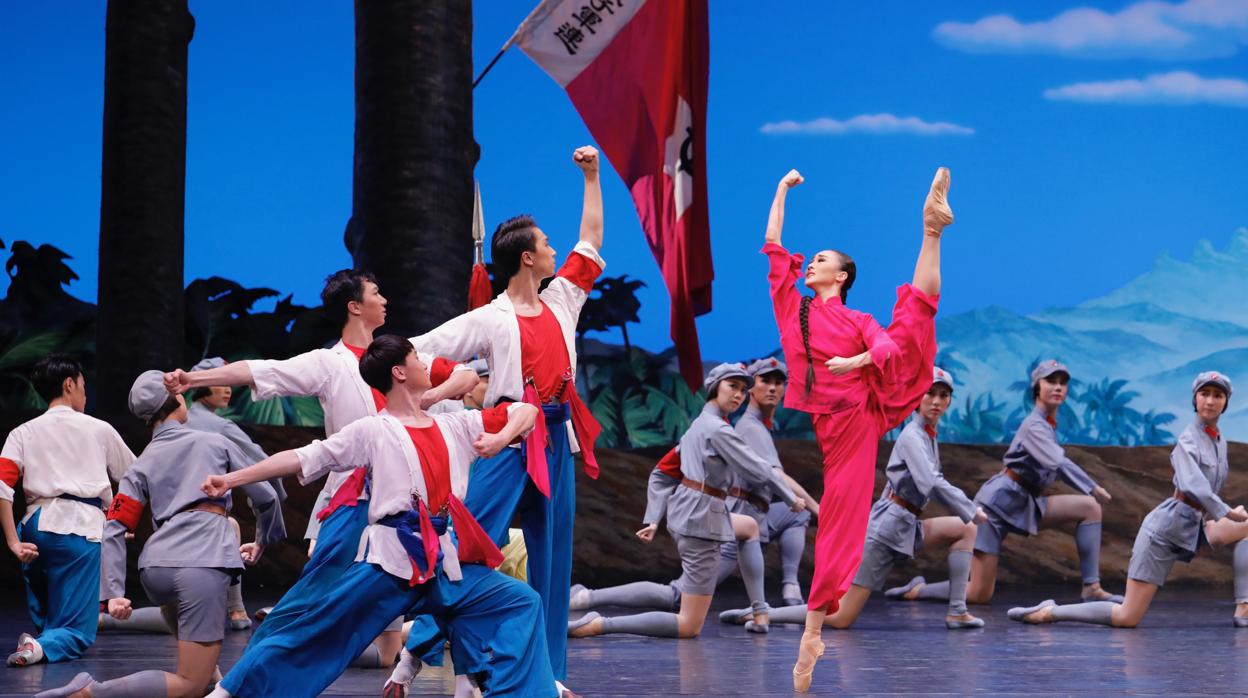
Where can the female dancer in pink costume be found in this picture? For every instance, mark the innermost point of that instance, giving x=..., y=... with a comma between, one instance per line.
x=857, y=380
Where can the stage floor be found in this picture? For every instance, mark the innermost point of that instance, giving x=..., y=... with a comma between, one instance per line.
x=1186, y=646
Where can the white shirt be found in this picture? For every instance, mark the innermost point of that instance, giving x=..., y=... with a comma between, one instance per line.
x=383, y=445
x=493, y=333
x=66, y=452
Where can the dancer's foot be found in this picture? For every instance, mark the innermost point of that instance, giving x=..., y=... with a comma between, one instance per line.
x=73, y=688
x=28, y=652
x=565, y=692
x=936, y=211
x=260, y=615
x=760, y=624
x=736, y=616
x=809, y=652
x=578, y=599
x=1094, y=592
x=1040, y=613
x=909, y=591
x=239, y=620
x=964, y=621
x=791, y=594
x=587, y=625
x=1240, y=619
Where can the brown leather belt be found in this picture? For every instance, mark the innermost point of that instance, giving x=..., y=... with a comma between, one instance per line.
x=759, y=503
x=208, y=507
x=1189, y=501
x=704, y=489
x=1031, y=489
x=904, y=504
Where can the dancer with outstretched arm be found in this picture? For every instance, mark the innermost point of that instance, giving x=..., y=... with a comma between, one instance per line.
x=856, y=379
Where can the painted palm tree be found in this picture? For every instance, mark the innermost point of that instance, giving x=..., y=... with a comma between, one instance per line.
x=1107, y=410
x=1151, y=431
x=980, y=420
x=142, y=194
x=615, y=305
x=411, y=218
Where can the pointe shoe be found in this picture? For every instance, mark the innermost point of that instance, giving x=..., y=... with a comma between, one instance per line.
x=579, y=627
x=81, y=681
x=1020, y=613
x=901, y=591
x=936, y=211
x=578, y=598
x=964, y=622
x=757, y=628
x=736, y=616
x=814, y=648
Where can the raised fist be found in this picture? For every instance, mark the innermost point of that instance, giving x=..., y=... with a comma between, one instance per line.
x=792, y=179
x=586, y=158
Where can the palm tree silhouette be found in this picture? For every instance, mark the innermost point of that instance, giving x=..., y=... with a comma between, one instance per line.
x=1105, y=409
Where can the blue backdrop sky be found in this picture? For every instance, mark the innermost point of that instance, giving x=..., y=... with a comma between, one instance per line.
x=1083, y=142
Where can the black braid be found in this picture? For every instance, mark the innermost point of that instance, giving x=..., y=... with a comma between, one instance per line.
x=804, y=319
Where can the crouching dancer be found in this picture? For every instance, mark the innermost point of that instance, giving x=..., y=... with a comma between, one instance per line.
x=407, y=560
x=1193, y=518
x=193, y=555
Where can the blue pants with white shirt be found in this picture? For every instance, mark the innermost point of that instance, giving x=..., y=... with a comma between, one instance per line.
x=62, y=590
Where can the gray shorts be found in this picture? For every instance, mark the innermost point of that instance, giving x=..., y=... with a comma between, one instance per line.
x=781, y=518
x=989, y=534
x=1152, y=558
x=199, y=593
x=698, y=560
x=877, y=560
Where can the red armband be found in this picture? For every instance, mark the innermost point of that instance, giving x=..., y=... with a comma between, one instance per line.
x=9, y=472
x=669, y=464
x=126, y=510
x=580, y=270
x=441, y=370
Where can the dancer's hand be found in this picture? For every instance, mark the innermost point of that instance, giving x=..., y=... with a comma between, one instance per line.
x=119, y=608
x=839, y=365
x=488, y=445
x=251, y=552
x=26, y=552
x=586, y=158
x=177, y=381
x=1102, y=495
x=980, y=516
x=215, y=486
x=1237, y=514
x=647, y=534
x=799, y=505
x=792, y=179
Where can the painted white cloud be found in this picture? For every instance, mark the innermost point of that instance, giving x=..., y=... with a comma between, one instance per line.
x=1192, y=29
x=879, y=124
x=1179, y=87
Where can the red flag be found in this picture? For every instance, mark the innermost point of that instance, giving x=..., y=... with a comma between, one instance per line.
x=636, y=70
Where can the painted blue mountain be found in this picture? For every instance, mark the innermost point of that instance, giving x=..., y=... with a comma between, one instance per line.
x=1155, y=333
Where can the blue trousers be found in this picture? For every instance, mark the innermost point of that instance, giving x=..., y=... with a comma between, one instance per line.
x=305, y=657
x=62, y=590
x=336, y=547
x=499, y=488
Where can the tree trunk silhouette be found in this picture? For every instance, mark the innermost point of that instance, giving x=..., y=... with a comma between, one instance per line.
x=411, y=219
x=142, y=195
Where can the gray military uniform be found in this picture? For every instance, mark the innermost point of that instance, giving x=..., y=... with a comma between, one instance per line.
x=1175, y=530
x=758, y=437
x=913, y=474
x=712, y=453
x=201, y=418
x=192, y=555
x=1017, y=507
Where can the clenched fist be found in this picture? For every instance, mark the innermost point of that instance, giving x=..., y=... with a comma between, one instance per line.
x=586, y=158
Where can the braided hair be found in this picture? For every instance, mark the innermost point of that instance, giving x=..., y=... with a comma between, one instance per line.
x=803, y=316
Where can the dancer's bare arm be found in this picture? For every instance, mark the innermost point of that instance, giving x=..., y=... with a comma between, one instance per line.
x=775, y=219
x=586, y=158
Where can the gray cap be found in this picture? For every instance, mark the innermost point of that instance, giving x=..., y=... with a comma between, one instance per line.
x=481, y=366
x=1211, y=378
x=214, y=362
x=723, y=372
x=1047, y=368
x=148, y=394
x=768, y=365
x=940, y=375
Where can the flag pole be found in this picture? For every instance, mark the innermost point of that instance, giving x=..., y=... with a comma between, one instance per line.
x=538, y=14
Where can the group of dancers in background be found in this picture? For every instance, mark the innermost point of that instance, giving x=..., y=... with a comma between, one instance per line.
x=436, y=443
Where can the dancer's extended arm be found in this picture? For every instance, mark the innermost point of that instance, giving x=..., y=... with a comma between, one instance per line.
x=586, y=158
x=775, y=219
